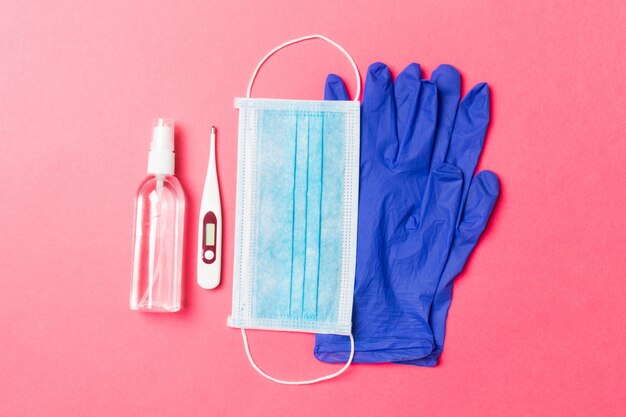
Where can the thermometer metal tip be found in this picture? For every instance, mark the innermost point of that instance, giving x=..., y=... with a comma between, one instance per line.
x=213, y=131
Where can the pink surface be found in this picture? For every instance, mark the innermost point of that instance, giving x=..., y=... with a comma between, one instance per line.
x=538, y=318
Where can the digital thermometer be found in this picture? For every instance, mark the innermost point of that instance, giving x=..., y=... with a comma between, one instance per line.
x=210, y=226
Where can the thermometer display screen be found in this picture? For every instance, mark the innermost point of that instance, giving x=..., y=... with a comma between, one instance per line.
x=209, y=234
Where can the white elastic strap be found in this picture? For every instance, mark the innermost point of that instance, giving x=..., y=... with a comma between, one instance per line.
x=310, y=381
x=305, y=38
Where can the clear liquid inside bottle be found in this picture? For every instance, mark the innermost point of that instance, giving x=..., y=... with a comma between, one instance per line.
x=157, y=247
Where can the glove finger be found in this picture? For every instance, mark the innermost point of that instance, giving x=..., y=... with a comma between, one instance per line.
x=416, y=104
x=335, y=89
x=379, y=138
x=468, y=135
x=448, y=82
x=442, y=196
x=481, y=198
x=406, y=92
x=437, y=223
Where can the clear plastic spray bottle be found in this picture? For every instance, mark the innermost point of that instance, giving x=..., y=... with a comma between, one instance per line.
x=159, y=222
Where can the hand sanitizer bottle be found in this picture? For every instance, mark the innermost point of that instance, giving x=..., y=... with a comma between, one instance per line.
x=158, y=235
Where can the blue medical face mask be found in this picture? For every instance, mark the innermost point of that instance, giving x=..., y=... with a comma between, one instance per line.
x=297, y=205
x=295, y=232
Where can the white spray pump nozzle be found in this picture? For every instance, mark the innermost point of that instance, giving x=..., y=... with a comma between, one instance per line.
x=161, y=157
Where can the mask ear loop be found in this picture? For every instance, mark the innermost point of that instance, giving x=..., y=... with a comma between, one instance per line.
x=306, y=382
x=306, y=38
x=356, y=98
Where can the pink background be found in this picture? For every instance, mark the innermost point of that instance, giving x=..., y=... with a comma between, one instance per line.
x=537, y=323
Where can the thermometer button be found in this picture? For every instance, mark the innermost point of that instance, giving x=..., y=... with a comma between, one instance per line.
x=209, y=255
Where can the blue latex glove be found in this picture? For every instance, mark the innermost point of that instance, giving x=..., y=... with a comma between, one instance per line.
x=421, y=211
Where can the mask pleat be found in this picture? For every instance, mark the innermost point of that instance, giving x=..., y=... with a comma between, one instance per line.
x=319, y=227
x=275, y=210
x=314, y=219
x=332, y=226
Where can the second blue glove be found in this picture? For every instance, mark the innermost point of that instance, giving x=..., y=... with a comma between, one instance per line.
x=421, y=211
